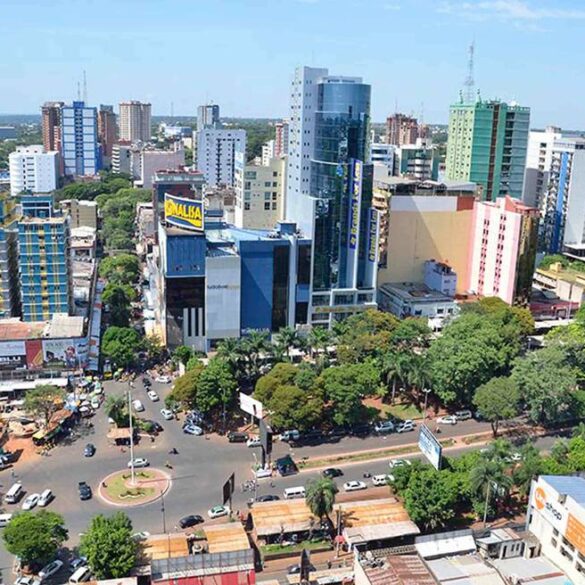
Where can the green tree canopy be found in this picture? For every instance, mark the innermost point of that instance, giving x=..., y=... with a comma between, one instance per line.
x=116, y=407
x=183, y=354
x=320, y=497
x=185, y=388
x=121, y=344
x=497, y=400
x=121, y=269
x=35, y=537
x=216, y=386
x=282, y=374
x=44, y=401
x=118, y=299
x=109, y=546
x=294, y=408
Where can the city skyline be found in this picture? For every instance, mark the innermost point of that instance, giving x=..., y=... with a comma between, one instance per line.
x=412, y=52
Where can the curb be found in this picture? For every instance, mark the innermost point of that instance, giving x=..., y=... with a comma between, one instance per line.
x=161, y=494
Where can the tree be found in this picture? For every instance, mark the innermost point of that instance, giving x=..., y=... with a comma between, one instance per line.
x=489, y=481
x=121, y=268
x=216, y=386
x=153, y=347
x=288, y=338
x=430, y=499
x=394, y=369
x=118, y=301
x=253, y=347
x=231, y=351
x=497, y=400
x=121, y=344
x=319, y=339
x=116, y=407
x=320, y=497
x=44, y=400
x=282, y=374
x=411, y=333
x=109, y=546
x=185, y=388
x=294, y=408
x=35, y=537
x=182, y=354
x=546, y=383
x=532, y=465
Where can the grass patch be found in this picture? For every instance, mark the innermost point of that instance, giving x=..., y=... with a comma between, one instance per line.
x=273, y=549
x=477, y=438
x=402, y=411
x=118, y=489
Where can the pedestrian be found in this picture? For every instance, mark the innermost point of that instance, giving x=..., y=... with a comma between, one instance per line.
x=329, y=564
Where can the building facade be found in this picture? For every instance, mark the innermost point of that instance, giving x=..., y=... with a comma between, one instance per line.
x=281, y=138
x=384, y=154
x=151, y=160
x=208, y=117
x=51, y=125
x=401, y=130
x=502, y=253
x=268, y=150
x=107, y=130
x=216, y=153
x=45, y=274
x=79, y=140
x=419, y=161
x=81, y=213
x=33, y=170
x=487, y=145
x=260, y=192
x=135, y=121
x=9, y=280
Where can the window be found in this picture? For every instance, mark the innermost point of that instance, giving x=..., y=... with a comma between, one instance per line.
x=266, y=195
x=267, y=183
x=267, y=206
x=246, y=206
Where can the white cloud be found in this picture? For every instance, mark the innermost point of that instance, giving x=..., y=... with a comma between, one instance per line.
x=519, y=11
x=392, y=6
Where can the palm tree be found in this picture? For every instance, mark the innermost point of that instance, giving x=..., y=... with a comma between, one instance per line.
x=489, y=480
x=116, y=408
x=393, y=370
x=319, y=338
x=230, y=350
x=287, y=338
x=253, y=346
x=499, y=451
x=418, y=372
x=320, y=497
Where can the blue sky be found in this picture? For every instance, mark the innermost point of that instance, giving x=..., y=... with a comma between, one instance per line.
x=242, y=53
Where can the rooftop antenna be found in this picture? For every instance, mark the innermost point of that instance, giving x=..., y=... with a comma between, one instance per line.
x=78, y=91
x=84, y=87
x=172, y=111
x=421, y=118
x=469, y=83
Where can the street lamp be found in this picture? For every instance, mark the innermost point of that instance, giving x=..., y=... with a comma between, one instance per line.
x=132, y=478
x=427, y=392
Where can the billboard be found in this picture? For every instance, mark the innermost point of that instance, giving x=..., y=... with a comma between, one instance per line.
x=228, y=488
x=65, y=353
x=545, y=500
x=251, y=405
x=12, y=355
x=34, y=353
x=429, y=446
x=184, y=213
x=355, y=199
x=575, y=533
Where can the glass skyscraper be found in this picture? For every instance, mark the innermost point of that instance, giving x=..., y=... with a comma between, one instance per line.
x=329, y=192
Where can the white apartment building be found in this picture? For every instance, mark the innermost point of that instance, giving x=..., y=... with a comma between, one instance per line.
x=384, y=154
x=152, y=160
x=268, y=152
x=260, y=191
x=32, y=169
x=135, y=121
x=556, y=516
x=216, y=153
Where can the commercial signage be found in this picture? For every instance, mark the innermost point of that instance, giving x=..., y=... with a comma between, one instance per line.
x=355, y=200
x=545, y=501
x=184, y=213
x=430, y=447
x=373, y=236
x=65, y=353
x=34, y=354
x=251, y=405
x=575, y=533
x=340, y=309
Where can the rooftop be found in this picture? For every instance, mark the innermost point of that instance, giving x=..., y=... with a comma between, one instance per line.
x=282, y=515
x=398, y=570
x=161, y=546
x=568, y=485
x=62, y=325
x=226, y=537
x=445, y=543
x=414, y=291
x=539, y=570
x=464, y=570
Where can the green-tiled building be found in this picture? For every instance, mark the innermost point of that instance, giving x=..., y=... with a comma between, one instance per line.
x=488, y=141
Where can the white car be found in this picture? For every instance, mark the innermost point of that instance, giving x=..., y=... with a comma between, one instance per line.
x=404, y=427
x=167, y=414
x=263, y=472
x=218, y=511
x=27, y=580
x=163, y=379
x=50, y=569
x=140, y=536
x=153, y=395
x=137, y=405
x=447, y=420
x=380, y=480
x=139, y=462
x=31, y=501
x=399, y=463
x=254, y=442
x=354, y=486
x=193, y=430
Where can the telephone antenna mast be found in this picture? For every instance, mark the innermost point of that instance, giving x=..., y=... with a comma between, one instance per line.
x=469, y=84
x=84, y=87
x=78, y=91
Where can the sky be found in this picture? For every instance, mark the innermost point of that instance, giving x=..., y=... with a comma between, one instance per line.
x=241, y=54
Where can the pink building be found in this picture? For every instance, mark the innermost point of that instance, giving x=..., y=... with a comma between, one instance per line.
x=281, y=139
x=503, y=249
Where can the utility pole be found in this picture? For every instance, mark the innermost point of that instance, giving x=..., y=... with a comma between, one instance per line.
x=469, y=84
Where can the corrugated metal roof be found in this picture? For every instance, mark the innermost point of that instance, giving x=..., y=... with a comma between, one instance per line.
x=445, y=543
x=570, y=485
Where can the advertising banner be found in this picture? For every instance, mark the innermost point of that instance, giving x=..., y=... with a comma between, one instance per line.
x=546, y=501
x=576, y=533
x=251, y=405
x=184, y=213
x=12, y=355
x=430, y=447
x=34, y=354
x=355, y=198
x=372, y=249
x=64, y=353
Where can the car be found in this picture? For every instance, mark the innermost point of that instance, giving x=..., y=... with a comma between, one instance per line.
x=268, y=498
x=354, y=486
x=235, y=437
x=140, y=536
x=31, y=501
x=218, y=511
x=450, y=419
x=290, y=435
x=138, y=406
x=163, y=379
x=399, y=463
x=254, y=442
x=155, y=427
x=50, y=569
x=77, y=562
x=296, y=569
x=46, y=498
x=89, y=450
x=84, y=491
x=167, y=414
x=332, y=472
x=27, y=580
x=286, y=466
x=146, y=382
x=192, y=430
x=385, y=426
x=191, y=520
x=263, y=472
x=139, y=462
x=383, y=479
x=406, y=426
x=464, y=415
x=153, y=395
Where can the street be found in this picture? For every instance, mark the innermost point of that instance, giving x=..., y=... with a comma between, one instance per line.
x=199, y=470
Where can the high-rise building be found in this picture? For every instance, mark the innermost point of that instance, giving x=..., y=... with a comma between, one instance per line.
x=81, y=213
x=51, y=125
x=135, y=121
x=268, y=152
x=383, y=154
x=208, y=117
x=107, y=129
x=419, y=161
x=487, y=145
x=9, y=283
x=502, y=251
x=79, y=140
x=260, y=193
x=401, y=130
x=152, y=160
x=45, y=273
x=216, y=152
x=329, y=192
x=281, y=138
x=33, y=170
